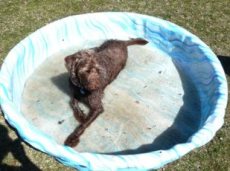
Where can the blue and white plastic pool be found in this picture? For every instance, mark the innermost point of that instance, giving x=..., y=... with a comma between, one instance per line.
x=190, y=55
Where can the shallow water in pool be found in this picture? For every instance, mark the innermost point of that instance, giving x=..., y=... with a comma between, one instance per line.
x=151, y=105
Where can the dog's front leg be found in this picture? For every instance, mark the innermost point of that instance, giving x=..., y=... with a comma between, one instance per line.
x=95, y=105
x=78, y=113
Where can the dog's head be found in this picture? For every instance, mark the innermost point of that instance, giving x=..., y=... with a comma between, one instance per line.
x=84, y=71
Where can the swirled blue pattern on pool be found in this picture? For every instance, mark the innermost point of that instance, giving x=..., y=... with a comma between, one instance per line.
x=186, y=50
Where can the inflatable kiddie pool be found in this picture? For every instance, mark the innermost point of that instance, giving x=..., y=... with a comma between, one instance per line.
x=169, y=99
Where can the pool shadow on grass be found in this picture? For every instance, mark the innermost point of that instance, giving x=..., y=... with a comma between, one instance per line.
x=7, y=145
x=185, y=124
x=225, y=62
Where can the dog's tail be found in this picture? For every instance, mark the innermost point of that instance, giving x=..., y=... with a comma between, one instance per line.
x=137, y=41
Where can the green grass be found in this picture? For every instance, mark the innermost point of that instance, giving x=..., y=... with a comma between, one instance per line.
x=208, y=19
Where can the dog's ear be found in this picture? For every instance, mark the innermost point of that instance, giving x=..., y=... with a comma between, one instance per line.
x=69, y=62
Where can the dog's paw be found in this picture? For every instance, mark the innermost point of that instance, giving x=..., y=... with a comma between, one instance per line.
x=72, y=141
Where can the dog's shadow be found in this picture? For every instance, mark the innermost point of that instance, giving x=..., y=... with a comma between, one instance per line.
x=62, y=82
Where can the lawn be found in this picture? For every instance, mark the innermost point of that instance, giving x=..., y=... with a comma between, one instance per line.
x=208, y=19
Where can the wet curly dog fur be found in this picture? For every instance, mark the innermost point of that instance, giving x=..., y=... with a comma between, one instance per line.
x=90, y=72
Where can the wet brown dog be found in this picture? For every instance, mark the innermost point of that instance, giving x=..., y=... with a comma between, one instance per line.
x=90, y=72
